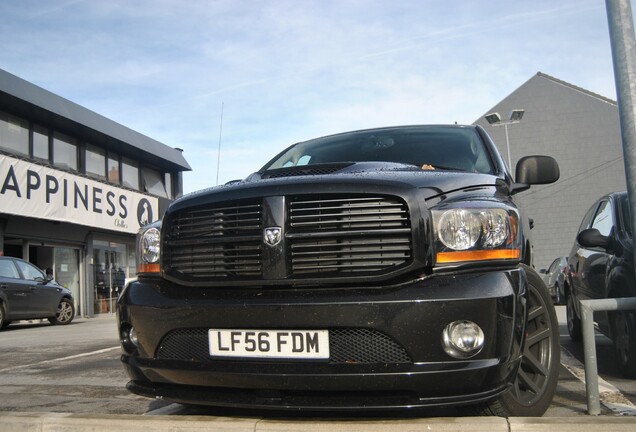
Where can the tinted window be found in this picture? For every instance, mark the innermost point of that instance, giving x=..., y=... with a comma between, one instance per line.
x=554, y=266
x=64, y=152
x=8, y=270
x=427, y=147
x=95, y=161
x=603, y=220
x=14, y=134
x=153, y=182
x=113, y=168
x=30, y=272
x=626, y=215
x=130, y=173
x=40, y=143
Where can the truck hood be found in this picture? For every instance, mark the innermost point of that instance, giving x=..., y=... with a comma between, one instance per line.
x=363, y=176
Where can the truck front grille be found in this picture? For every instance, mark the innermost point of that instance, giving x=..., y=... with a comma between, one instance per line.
x=348, y=234
x=322, y=235
x=214, y=242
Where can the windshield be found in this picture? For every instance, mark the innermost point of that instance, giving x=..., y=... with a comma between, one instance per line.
x=428, y=147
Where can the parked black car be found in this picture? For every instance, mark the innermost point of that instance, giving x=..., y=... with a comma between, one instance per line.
x=27, y=293
x=554, y=278
x=601, y=265
x=383, y=268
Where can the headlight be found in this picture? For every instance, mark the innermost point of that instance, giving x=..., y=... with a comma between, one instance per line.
x=475, y=234
x=149, y=249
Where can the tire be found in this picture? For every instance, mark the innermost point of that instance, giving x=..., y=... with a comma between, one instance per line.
x=575, y=329
x=2, y=316
x=5, y=324
x=533, y=388
x=65, y=313
x=624, y=340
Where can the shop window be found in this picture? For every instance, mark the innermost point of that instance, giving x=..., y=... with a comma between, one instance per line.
x=64, y=151
x=110, y=261
x=130, y=173
x=153, y=183
x=14, y=134
x=95, y=161
x=40, y=143
x=113, y=168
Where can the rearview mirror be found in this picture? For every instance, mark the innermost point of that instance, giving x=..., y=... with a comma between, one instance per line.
x=592, y=238
x=537, y=170
x=533, y=170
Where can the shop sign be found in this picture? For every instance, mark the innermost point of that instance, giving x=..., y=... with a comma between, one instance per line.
x=31, y=190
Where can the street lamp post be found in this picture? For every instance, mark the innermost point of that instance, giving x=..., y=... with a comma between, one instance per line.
x=494, y=119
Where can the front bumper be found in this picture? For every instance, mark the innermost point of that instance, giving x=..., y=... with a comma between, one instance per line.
x=412, y=317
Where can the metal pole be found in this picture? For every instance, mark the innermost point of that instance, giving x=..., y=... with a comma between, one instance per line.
x=508, y=148
x=623, y=42
x=591, y=369
x=588, y=307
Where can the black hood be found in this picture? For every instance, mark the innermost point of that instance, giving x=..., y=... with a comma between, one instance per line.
x=362, y=176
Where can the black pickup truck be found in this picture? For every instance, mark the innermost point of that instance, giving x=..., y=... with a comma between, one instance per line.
x=378, y=269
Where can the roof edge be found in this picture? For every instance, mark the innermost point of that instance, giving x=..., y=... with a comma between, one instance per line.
x=63, y=108
x=577, y=88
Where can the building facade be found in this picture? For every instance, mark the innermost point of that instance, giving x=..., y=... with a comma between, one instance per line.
x=74, y=189
x=581, y=131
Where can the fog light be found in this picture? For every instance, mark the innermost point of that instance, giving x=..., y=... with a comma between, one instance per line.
x=462, y=339
x=129, y=339
x=132, y=336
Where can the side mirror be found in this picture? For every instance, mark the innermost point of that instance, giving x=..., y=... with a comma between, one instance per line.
x=532, y=170
x=537, y=170
x=592, y=238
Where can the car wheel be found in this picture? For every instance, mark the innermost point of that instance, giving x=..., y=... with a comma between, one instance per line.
x=624, y=338
x=65, y=313
x=2, y=321
x=535, y=384
x=574, y=322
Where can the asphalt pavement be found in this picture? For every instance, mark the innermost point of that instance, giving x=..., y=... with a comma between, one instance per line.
x=90, y=363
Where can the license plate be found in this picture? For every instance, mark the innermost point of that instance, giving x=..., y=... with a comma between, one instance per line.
x=293, y=344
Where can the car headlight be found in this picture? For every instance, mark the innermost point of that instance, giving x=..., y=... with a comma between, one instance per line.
x=149, y=249
x=476, y=234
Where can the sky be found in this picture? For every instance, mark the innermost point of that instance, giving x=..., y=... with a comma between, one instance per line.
x=253, y=77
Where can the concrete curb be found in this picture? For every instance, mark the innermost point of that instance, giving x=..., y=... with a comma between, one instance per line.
x=61, y=422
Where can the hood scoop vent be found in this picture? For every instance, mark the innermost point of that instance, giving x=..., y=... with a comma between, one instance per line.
x=306, y=170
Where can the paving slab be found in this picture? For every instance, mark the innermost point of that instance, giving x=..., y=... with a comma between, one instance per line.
x=64, y=422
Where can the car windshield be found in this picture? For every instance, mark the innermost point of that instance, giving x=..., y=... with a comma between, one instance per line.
x=428, y=147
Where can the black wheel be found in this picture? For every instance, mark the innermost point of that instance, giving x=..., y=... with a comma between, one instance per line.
x=2, y=321
x=65, y=313
x=574, y=322
x=535, y=384
x=624, y=338
x=5, y=324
